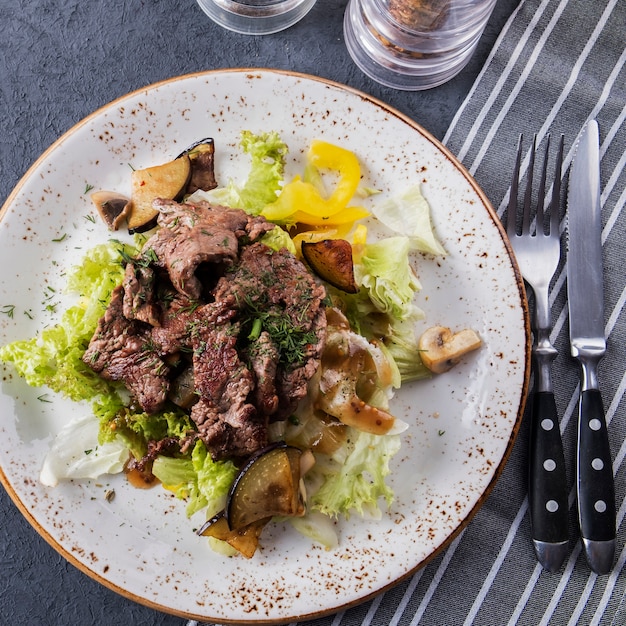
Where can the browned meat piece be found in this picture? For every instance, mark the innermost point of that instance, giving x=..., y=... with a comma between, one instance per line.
x=172, y=335
x=194, y=234
x=139, y=294
x=173, y=214
x=228, y=423
x=291, y=305
x=251, y=320
x=121, y=350
x=263, y=356
x=225, y=438
x=181, y=250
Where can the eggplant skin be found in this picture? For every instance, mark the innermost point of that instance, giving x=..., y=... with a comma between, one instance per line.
x=267, y=486
x=202, y=157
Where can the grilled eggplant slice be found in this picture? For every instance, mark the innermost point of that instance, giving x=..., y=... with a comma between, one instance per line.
x=331, y=260
x=245, y=540
x=268, y=486
x=161, y=181
x=202, y=157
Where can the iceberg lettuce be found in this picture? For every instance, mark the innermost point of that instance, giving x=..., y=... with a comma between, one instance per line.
x=385, y=272
x=76, y=453
x=356, y=483
x=408, y=213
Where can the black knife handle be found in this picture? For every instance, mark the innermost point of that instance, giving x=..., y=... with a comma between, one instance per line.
x=547, y=485
x=596, y=490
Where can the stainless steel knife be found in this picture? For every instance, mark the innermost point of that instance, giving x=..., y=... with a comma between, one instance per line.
x=594, y=471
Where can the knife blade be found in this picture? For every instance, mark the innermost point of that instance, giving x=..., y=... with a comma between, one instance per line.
x=594, y=471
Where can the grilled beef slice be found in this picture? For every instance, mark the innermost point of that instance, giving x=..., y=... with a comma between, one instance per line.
x=140, y=294
x=121, y=349
x=277, y=289
x=193, y=234
x=249, y=320
x=228, y=422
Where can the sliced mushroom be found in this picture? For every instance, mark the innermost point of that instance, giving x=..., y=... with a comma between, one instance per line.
x=113, y=207
x=441, y=349
x=351, y=370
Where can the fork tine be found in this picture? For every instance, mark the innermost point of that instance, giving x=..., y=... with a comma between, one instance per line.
x=529, y=190
x=555, y=203
x=540, y=226
x=511, y=225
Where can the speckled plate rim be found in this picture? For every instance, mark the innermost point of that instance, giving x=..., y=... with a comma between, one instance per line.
x=524, y=382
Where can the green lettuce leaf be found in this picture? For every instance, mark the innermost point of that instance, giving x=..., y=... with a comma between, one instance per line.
x=199, y=480
x=277, y=238
x=356, y=483
x=117, y=421
x=385, y=272
x=267, y=154
x=53, y=358
x=408, y=213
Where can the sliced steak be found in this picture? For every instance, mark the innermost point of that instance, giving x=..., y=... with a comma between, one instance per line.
x=204, y=293
x=263, y=358
x=228, y=423
x=139, y=294
x=172, y=335
x=195, y=234
x=121, y=350
x=277, y=288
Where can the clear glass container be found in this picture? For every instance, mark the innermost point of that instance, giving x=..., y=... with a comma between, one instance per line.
x=256, y=17
x=414, y=44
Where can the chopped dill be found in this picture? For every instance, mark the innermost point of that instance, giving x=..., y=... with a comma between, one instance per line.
x=8, y=310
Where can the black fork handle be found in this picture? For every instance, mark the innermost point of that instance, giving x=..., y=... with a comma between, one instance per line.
x=547, y=484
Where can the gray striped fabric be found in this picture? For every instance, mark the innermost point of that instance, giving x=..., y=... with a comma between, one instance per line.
x=556, y=65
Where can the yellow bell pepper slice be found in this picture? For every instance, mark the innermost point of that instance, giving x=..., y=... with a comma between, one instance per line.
x=302, y=201
x=359, y=239
x=347, y=215
x=319, y=235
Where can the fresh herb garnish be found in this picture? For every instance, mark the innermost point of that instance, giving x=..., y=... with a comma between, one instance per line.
x=8, y=309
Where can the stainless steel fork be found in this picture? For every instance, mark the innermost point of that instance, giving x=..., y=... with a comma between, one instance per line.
x=538, y=257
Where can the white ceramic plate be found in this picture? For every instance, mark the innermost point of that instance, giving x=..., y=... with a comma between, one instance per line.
x=462, y=424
